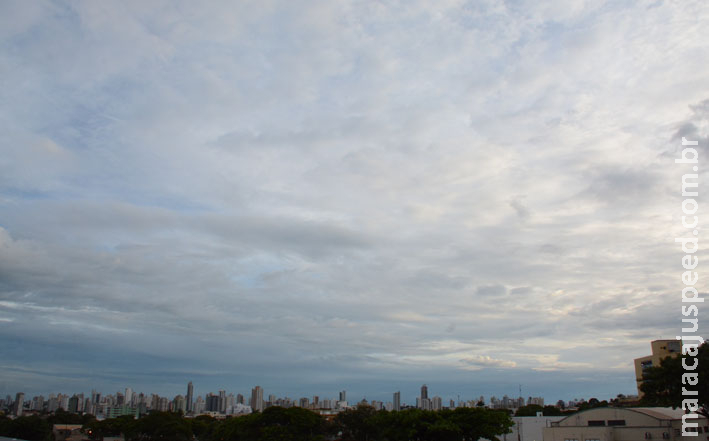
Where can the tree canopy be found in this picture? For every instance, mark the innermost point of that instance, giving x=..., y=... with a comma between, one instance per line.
x=468, y=424
x=662, y=385
x=363, y=423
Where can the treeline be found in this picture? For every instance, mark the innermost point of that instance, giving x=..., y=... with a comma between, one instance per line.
x=462, y=424
x=39, y=428
x=276, y=423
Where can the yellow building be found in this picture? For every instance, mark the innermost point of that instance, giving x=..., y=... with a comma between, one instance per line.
x=660, y=349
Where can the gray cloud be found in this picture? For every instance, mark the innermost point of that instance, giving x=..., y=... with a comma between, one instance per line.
x=342, y=194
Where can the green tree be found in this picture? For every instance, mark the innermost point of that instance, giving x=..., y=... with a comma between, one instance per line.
x=476, y=423
x=203, y=426
x=273, y=424
x=529, y=410
x=160, y=426
x=32, y=428
x=662, y=385
x=358, y=424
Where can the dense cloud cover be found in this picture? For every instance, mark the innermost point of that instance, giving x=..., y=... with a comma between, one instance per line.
x=313, y=196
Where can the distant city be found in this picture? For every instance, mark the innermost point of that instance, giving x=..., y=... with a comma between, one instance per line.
x=222, y=404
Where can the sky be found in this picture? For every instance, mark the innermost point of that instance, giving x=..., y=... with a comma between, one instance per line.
x=313, y=196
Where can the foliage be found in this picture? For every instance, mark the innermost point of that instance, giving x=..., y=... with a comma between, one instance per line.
x=111, y=427
x=467, y=424
x=203, y=426
x=529, y=410
x=592, y=404
x=32, y=428
x=662, y=385
x=273, y=424
x=279, y=424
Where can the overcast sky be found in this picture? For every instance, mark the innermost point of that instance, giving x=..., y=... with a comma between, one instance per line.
x=323, y=195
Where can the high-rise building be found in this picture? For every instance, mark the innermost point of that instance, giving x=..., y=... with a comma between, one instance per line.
x=188, y=399
x=178, y=404
x=397, y=401
x=660, y=349
x=198, y=406
x=343, y=395
x=257, y=399
x=19, y=403
x=212, y=402
x=222, y=401
x=52, y=403
x=38, y=403
x=163, y=404
x=73, y=404
x=424, y=392
x=129, y=396
x=436, y=403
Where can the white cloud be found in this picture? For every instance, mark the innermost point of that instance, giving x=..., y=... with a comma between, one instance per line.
x=485, y=361
x=364, y=183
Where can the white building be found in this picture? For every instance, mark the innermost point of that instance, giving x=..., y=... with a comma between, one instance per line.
x=530, y=428
x=624, y=424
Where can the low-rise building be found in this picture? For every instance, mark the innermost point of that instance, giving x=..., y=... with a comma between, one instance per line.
x=67, y=432
x=529, y=428
x=624, y=424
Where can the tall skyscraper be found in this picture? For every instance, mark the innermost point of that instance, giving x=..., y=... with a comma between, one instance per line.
x=188, y=399
x=19, y=403
x=73, y=404
x=257, y=399
x=397, y=401
x=222, y=401
x=437, y=403
x=212, y=402
x=424, y=392
x=343, y=395
x=129, y=396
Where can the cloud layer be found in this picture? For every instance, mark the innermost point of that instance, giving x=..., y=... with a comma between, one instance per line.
x=318, y=195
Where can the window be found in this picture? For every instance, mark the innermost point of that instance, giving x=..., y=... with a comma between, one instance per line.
x=616, y=422
x=571, y=439
x=596, y=423
x=648, y=435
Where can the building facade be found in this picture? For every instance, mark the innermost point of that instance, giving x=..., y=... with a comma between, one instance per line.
x=624, y=424
x=660, y=349
x=257, y=399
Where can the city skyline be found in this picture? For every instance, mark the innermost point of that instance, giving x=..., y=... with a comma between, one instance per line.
x=225, y=402
x=361, y=196
x=410, y=397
